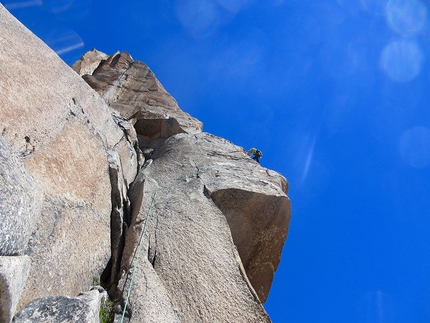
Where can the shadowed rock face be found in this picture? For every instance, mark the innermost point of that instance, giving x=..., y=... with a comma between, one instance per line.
x=79, y=200
x=259, y=226
x=13, y=275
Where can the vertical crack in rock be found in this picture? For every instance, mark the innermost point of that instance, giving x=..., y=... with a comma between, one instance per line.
x=118, y=214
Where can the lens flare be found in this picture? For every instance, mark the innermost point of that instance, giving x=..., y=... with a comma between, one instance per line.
x=406, y=17
x=378, y=307
x=402, y=60
x=338, y=59
x=233, y=6
x=375, y=7
x=414, y=147
x=350, y=5
x=199, y=18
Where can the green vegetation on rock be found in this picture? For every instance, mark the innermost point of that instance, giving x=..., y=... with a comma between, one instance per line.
x=106, y=311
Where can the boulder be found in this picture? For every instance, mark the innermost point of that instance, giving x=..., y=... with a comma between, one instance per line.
x=13, y=275
x=53, y=309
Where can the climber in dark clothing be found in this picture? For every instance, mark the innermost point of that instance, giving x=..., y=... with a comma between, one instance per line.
x=255, y=154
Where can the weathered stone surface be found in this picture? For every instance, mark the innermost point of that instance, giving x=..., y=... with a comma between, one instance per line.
x=253, y=201
x=130, y=156
x=54, y=309
x=188, y=239
x=75, y=216
x=151, y=301
x=257, y=210
x=20, y=202
x=131, y=88
x=259, y=226
x=120, y=208
x=62, y=129
x=89, y=62
x=13, y=275
x=213, y=220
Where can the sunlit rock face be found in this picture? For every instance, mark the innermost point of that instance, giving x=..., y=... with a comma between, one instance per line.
x=216, y=219
x=189, y=230
x=61, y=131
x=20, y=195
x=132, y=89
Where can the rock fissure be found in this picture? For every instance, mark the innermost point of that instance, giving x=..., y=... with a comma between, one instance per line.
x=109, y=93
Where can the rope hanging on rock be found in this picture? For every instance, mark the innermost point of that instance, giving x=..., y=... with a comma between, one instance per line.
x=137, y=254
x=137, y=257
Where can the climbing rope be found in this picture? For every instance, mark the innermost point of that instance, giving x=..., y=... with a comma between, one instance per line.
x=138, y=256
x=138, y=251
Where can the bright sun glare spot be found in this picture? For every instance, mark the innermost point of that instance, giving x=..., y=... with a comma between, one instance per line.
x=414, y=147
x=406, y=17
x=402, y=60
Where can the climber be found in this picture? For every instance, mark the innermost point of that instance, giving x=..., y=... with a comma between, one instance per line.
x=255, y=154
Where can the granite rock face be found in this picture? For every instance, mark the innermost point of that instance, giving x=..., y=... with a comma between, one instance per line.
x=132, y=89
x=112, y=179
x=54, y=309
x=20, y=202
x=61, y=131
x=13, y=276
x=254, y=202
x=89, y=62
x=188, y=238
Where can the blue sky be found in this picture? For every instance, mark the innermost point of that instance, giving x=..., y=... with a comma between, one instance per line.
x=336, y=95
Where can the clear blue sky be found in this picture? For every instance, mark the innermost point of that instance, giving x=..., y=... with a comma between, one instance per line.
x=334, y=92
